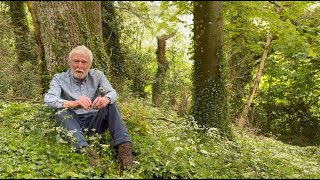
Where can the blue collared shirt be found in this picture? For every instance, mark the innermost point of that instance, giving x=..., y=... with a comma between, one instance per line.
x=64, y=87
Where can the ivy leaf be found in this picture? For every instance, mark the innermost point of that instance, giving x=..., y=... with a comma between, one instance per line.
x=60, y=140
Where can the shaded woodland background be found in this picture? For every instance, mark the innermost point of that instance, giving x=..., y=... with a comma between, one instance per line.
x=198, y=59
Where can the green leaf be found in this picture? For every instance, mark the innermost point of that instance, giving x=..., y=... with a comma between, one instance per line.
x=164, y=5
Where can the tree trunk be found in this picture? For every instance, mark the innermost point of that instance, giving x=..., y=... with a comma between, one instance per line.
x=163, y=66
x=243, y=121
x=66, y=24
x=23, y=45
x=40, y=50
x=210, y=95
x=93, y=34
x=112, y=42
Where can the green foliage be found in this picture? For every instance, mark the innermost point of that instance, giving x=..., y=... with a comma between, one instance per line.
x=287, y=104
x=17, y=79
x=138, y=38
x=244, y=39
x=287, y=100
x=139, y=71
x=165, y=146
x=22, y=84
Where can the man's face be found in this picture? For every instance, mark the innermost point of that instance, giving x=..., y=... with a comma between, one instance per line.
x=80, y=65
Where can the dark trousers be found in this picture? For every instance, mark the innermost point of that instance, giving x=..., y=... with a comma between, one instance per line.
x=97, y=122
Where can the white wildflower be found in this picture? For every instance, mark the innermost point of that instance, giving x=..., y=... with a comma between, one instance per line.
x=191, y=141
x=192, y=163
x=204, y=152
x=177, y=149
x=173, y=139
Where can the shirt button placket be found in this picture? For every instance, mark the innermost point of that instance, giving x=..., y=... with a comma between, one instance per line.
x=82, y=90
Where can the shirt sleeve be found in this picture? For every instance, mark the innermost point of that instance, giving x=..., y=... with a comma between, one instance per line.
x=108, y=89
x=52, y=98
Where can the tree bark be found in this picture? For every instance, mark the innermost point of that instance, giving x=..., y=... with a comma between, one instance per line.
x=23, y=46
x=210, y=95
x=112, y=42
x=163, y=66
x=40, y=50
x=66, y=24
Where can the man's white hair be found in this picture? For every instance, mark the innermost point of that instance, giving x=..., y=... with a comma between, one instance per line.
x=81, y=50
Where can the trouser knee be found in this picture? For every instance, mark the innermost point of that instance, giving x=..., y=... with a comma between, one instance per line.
x=113, y=108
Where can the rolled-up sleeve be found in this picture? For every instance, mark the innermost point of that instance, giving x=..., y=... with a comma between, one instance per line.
x=52, y=98
x=108, y=89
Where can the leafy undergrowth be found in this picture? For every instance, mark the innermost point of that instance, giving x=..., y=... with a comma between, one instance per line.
x=164, y=145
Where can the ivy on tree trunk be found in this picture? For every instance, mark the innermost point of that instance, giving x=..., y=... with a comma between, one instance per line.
x=210, y=106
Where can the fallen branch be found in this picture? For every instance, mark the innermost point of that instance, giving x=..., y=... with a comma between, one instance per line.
x=243, y=121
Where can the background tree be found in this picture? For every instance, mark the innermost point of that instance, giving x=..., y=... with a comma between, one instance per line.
x=24, y=45
x=18, y=71
x=210, y=96
x=65, y=25
x=243, y=120
x=135, y=25
x=163, y=66
x=287, y=103
x=176, y=16
x=140, y=23
x=243, y=39
x=112, y=42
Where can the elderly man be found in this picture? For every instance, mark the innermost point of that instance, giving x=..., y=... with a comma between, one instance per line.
x=75, y=94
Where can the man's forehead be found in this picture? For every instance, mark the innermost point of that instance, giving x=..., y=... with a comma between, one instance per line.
x=80, y=56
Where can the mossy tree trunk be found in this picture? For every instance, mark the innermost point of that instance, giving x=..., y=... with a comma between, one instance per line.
x=163, y=66
x=91, y=28
x=23, y=45
x=64, y=25
x=210, y=95
x=40, y=50
x=112, y=42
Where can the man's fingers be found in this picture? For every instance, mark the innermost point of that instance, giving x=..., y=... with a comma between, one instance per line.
x=86, y=99
x=100, y=102
x=95, y=101
x=82, y=104
x=85, y=102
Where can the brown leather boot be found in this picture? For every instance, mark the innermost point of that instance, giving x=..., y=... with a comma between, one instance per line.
x=125, y=155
